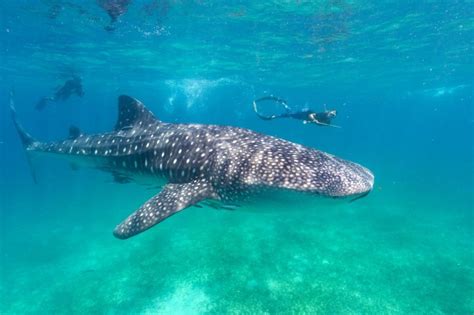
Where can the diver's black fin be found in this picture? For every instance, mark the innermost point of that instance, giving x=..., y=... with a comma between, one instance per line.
x=132, y=112
x=42, y=103
x=275, y=99
x=172, y=199
x=110, y=27
x=26, y=140
x=74, y=132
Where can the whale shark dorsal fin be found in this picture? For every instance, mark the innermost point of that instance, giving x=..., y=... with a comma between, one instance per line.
x=74, y=132
x=132, y=112
x=170, y=200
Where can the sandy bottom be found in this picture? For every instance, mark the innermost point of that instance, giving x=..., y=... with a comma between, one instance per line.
x=389, y=253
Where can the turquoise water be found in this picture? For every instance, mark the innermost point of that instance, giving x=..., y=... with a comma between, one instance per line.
x=400, y=75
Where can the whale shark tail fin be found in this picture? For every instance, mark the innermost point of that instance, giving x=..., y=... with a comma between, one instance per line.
x=26, y=139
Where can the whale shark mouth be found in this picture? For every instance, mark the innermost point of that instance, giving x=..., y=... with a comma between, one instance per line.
x=356, y=181
x=360, y=196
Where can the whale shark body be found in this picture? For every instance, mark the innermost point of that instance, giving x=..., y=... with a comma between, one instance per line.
x=201, y=163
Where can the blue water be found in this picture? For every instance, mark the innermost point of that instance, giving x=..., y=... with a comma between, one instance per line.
x=400, y=75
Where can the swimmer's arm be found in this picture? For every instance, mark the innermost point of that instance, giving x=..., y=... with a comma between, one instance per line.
x=312, y=119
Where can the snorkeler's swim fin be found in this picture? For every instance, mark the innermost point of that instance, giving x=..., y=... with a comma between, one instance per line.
x=26, y=139
x=274, y=99
x=42, y=103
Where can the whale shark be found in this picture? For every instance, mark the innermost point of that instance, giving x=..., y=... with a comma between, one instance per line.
x=194, y=164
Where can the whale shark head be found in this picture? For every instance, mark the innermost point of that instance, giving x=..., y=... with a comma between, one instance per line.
x=337, y=178
x=297, y=168
x=349, y=180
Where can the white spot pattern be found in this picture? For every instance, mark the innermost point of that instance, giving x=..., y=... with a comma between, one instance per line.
x=204, y=161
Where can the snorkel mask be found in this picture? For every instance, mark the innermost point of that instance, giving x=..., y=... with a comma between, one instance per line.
x=331, y=113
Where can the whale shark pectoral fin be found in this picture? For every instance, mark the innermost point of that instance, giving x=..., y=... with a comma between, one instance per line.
x=170, y=200
x=27, y=141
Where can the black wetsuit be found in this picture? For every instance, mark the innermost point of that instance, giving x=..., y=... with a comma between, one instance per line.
x=114, y=9
x=306, y=115
x=70, y=87
x=301, y=115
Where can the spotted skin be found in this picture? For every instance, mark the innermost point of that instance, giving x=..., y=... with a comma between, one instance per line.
x=172, y=199
x=203, y=162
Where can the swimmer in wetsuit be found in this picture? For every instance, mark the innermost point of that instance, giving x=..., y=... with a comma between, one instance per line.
x=114, y=8
x=70, y=87
x=306, y=115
